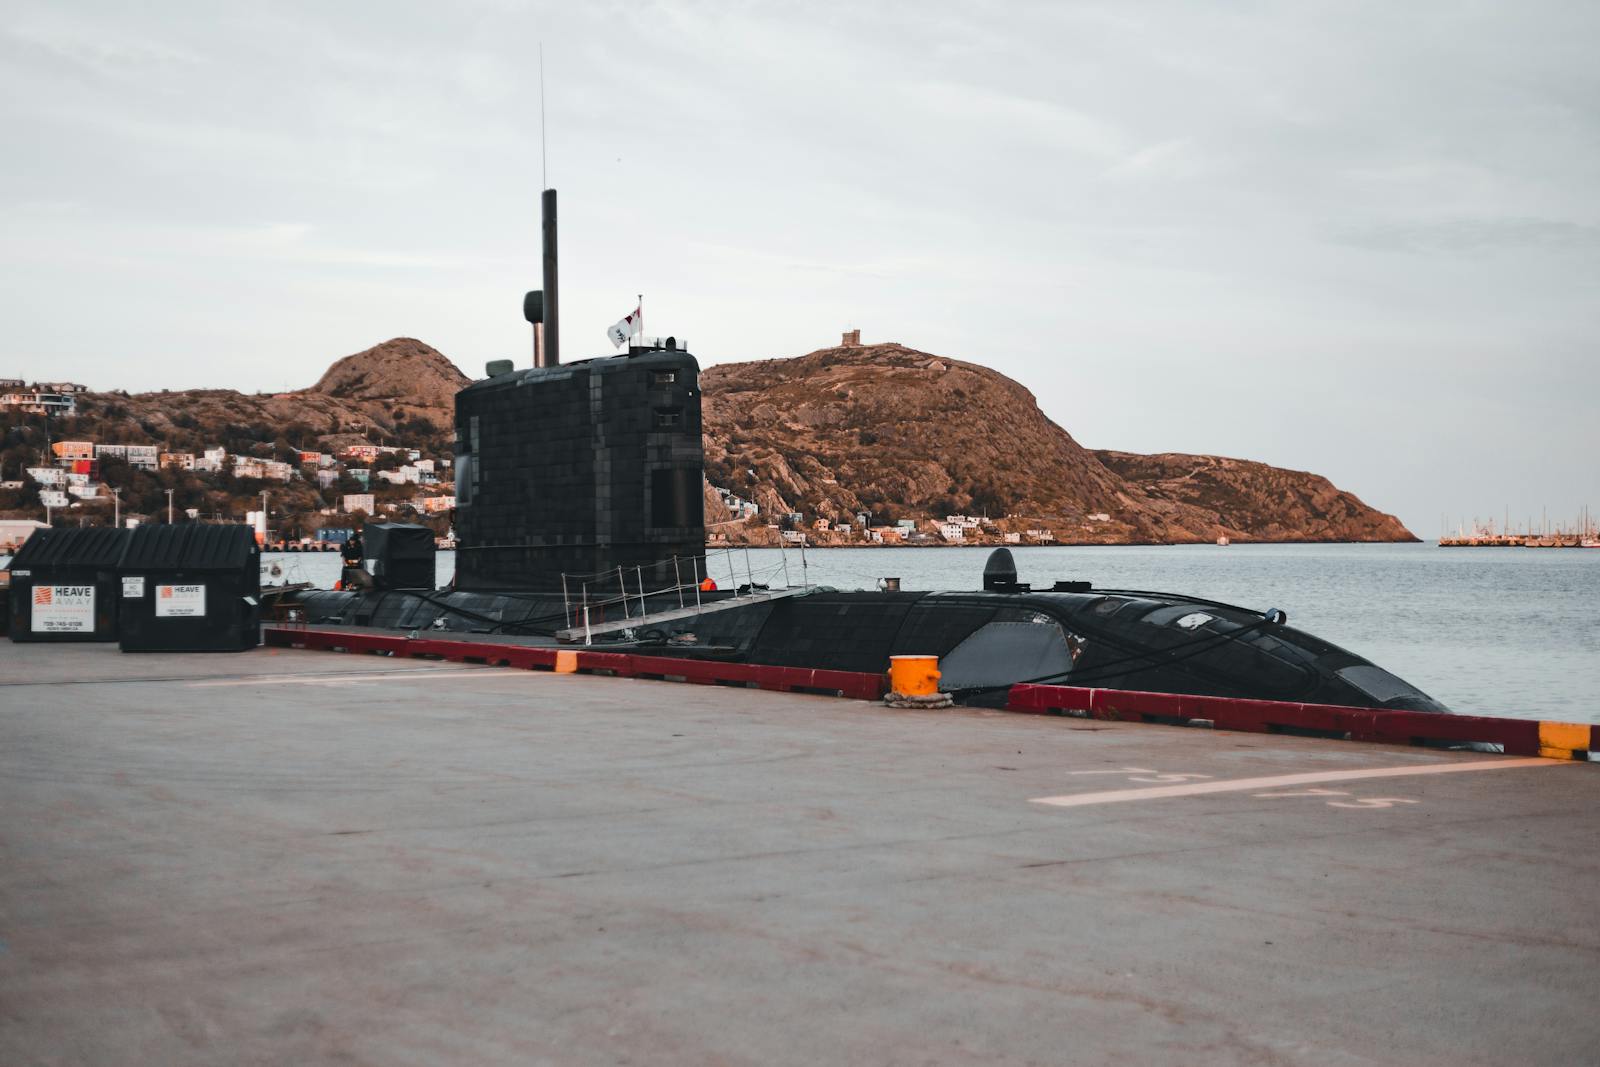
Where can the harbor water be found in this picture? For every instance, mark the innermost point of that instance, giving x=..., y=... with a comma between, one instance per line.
x=1512, y=631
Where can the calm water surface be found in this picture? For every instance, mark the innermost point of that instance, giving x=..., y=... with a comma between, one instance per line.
x=1511, y=631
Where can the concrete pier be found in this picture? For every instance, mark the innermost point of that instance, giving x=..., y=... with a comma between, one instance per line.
x=301, y=857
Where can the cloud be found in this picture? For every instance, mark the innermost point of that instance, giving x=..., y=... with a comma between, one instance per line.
x=1472, y=235
x=1243, y=229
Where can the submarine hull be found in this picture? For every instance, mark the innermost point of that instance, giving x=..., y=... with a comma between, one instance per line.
x=986, y=641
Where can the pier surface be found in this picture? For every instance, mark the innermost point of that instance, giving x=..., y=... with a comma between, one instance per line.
x=301, y=857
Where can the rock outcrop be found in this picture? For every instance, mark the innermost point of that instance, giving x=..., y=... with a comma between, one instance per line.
x=399, y=389
x=898, y=433
x=1264, y=503
x=881, y=429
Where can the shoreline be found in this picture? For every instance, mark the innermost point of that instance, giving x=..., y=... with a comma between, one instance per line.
x=1072, y=544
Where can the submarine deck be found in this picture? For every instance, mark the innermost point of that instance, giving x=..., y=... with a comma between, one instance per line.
x=288, y=856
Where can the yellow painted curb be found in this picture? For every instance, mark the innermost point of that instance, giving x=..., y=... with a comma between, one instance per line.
x=566, y=662
x=1562, y=740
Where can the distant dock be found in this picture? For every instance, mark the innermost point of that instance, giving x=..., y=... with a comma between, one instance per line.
x=1519, y=541
x=1581, y=534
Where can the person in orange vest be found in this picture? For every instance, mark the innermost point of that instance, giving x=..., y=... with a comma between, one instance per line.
x=708, y=586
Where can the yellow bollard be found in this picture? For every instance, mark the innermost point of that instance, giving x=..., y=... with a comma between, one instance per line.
x=914, y=676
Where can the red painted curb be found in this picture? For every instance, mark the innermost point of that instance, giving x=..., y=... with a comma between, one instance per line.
x=853, y=684
x=1517, y=736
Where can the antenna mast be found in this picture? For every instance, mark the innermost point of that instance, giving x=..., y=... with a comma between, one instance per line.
x=544, y=157
x=541, y=308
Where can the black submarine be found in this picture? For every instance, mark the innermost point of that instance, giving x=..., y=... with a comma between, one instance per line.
x=579, y=520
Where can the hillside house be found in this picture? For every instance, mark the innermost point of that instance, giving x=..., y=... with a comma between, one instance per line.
x=54, y=477
x=265, y=469
x=37, y=401
x=145, y=457
x=15, y=531
x=67, y=451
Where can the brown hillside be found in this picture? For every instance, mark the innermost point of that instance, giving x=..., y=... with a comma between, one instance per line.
x=1265, y=503
x=401, y=388
x=882, y=428
x=904, y=434
x=403, y=370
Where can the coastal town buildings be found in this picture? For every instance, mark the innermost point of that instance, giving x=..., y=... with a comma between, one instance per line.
x=54, y=477
x=267, y=469
x=53, y=399
x=15, y=531
x=145, y=457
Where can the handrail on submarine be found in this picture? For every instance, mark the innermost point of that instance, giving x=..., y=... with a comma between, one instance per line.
x=698, y=565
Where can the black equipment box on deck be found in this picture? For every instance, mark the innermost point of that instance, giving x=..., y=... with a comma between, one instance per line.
x=399, y=555
x=191, y=588
x=64, y=585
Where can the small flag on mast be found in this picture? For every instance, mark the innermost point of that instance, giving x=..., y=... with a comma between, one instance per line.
x=630, y=326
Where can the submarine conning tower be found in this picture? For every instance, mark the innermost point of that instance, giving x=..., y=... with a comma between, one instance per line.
x=579, y=469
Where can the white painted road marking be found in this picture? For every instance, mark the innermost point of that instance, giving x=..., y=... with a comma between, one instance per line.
x=1371, y=802
x=1119, y=770
x=1238, y=785
x=1155, y=776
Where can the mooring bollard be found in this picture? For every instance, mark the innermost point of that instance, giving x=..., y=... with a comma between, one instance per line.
x=914, y=683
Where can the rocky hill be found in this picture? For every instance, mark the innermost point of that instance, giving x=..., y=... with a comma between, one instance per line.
x=883, y=429
x=403, y=372
x=1266, y=503
x=399, y=389
x=900, y=433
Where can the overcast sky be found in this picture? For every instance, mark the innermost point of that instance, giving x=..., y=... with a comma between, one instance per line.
x=1356, y=238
